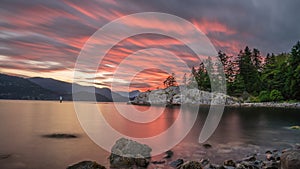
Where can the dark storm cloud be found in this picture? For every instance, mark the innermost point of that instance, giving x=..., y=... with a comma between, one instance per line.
x=270, y=25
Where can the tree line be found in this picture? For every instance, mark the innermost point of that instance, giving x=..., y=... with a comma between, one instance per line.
x=251, y=76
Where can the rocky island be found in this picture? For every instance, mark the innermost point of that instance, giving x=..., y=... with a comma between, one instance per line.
x=175, y=95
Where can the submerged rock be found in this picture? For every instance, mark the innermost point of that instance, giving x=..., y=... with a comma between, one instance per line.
x=60, y=136
x=127, y=153
x=86, y=165
x=4, y=156
x=290, y=160
x=207, y=146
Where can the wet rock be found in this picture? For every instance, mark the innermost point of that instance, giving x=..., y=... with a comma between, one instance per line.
x=191, y=165
x=204, y=162
x=207, y=146
x=158, y=162
x=214, y=166
x=168, y=154
x=270, y=156
x=290, y=160
x=229, y=163
x=176, y=163
x=86, y=165
x=259, y=163
x=271, y=165
x=60, y=136
x=247, y=165
x=127, y=153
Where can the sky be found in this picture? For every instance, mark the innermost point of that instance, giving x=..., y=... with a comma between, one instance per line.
x=44, y=38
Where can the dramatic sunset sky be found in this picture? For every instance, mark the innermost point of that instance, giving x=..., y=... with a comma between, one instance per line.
x=44, y=37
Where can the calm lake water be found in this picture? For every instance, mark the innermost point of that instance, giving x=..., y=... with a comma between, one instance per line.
x=241, y=131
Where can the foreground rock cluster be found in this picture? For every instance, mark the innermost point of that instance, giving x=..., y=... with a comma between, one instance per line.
x=272, y=160
x=130, y=154
x=127, y=153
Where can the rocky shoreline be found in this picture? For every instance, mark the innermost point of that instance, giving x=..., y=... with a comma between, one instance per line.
x=267, y=104
x=131, y=154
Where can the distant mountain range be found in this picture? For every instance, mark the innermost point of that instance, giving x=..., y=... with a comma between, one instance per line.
x=37, y=88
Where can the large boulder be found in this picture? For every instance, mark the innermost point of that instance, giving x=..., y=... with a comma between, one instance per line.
x=290, y=160
x=128, y=153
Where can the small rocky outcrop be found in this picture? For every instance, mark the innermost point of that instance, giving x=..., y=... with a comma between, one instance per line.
x=127, y=153
x=86, y=165
x=290, y=159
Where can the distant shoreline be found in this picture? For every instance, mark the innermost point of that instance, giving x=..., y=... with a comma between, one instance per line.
x=236, y=105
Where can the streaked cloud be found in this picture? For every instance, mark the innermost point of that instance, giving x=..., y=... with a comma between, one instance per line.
x=44, y=38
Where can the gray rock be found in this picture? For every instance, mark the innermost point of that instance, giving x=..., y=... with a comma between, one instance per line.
x=290, y=160
x=127, y=153
x=86, y=165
